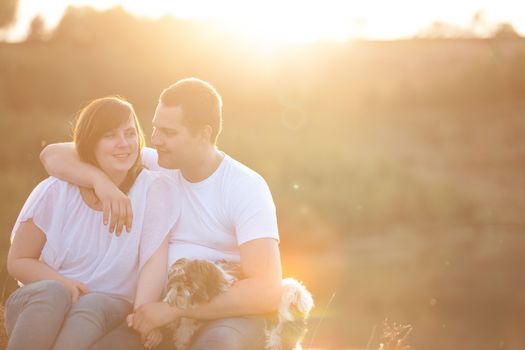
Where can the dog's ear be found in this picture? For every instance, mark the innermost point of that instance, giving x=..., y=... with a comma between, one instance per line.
x=177, y=270
x=217, y=281
x=231, y=268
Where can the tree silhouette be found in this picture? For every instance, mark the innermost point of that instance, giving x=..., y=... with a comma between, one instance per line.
x=505, y=30
x=7, y=13
x=36, y=29
x=479, y=25
x=444, y=30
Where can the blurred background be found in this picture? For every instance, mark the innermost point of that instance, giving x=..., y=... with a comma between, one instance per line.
x=391, y=135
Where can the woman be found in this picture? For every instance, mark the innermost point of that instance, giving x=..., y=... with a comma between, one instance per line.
x=80, y=281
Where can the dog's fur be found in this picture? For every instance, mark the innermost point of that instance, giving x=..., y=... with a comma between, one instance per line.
x=289, y=329
x=193, y=282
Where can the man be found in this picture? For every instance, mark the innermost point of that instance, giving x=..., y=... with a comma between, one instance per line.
x=227, y=213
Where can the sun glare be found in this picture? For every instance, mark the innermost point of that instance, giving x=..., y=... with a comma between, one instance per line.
x=278, y=21
x=266, y=21
x=294, y=21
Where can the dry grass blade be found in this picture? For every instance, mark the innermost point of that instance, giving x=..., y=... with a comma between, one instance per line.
x=394, y=336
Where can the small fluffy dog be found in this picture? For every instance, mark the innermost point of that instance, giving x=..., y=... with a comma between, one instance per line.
x=193, y=282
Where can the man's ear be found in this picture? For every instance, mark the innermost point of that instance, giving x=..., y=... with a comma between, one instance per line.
x=206, y=132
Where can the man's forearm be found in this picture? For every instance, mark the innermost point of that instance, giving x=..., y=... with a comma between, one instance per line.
x=259, y=293
x=246, y=297
x=62, y=161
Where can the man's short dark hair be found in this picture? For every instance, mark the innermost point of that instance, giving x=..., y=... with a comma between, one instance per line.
x=200, y=102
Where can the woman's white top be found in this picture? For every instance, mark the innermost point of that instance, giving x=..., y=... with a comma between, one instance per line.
x=80, y=247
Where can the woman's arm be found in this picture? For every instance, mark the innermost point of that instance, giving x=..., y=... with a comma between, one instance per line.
x=152, y=280
x=61, y=160
x=24, y=264
x=152, y=277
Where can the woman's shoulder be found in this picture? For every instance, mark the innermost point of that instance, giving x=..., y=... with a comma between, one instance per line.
x=47, y=201
x=52, y=184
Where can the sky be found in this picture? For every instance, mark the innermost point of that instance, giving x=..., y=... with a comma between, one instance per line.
x=298, y=20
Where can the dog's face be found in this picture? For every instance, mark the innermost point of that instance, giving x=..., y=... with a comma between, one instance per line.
x=196, y=281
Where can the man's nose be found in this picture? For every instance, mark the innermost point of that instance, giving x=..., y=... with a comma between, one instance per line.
x=155, y=137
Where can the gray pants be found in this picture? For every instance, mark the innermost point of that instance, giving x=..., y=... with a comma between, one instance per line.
x=40, y=316
x=239, y=333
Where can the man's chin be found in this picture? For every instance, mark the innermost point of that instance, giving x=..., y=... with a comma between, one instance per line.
x=163, y=163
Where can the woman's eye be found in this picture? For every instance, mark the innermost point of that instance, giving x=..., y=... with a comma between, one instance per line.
x=131, y=133
x=109, y=134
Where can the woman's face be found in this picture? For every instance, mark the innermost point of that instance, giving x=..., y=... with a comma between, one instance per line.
x=117, y=150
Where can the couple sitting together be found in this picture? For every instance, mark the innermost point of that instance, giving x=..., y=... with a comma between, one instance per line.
x=85, y=284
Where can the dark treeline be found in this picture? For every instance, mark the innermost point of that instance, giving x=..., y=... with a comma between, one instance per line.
x=397, y=167
x=135, y=56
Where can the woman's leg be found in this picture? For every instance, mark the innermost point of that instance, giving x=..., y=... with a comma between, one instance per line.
x=35, y=313
x=93, y=315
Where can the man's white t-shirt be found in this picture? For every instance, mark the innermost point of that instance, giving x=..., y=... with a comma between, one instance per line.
x=231, y=207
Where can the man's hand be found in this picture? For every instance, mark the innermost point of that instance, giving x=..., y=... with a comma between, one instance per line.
x=116, y=203
x=152, y=315
x=75, y=289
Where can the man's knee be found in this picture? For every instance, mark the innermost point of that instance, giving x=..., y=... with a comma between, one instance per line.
x=219, y=338
x=231, y=334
